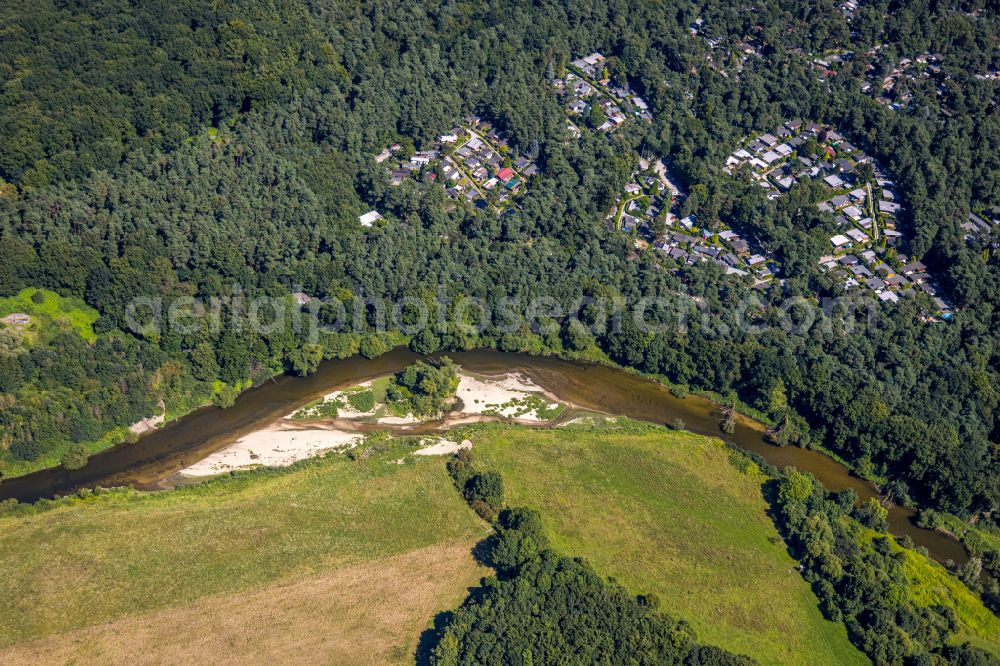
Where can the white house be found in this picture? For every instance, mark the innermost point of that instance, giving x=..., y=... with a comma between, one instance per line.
x=370, y=218
x=857, y=235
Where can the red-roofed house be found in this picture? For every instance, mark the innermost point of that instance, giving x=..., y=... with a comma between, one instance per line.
x=505, y=174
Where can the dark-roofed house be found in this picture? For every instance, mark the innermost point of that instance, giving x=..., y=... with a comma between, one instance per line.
x=915, y=267
x=844, y=166
x=874, y=283
x=677, y=253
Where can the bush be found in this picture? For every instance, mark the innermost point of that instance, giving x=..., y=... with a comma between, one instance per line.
x=425, y=342
x=486, y=487
x=37, y=298
x=373, y=346
x=460, y=468
x=76, y=457
x=873, y=515
x=484, y=510
x=929, y=519
x=363, y=401
x=225, y=397
x=424, y=388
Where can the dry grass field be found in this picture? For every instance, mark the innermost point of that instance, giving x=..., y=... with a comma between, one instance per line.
x=369, y=613
x=336, y=560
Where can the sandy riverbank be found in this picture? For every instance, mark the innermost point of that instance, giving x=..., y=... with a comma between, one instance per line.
x=506, y=395
x=147, y=424
x=277, y=445
x=292, y=438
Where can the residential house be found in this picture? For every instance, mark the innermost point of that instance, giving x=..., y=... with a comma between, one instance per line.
x=369, y=218
x=840, y=241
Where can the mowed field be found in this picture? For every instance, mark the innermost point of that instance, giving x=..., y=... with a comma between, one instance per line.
x=337, y=561
x=669, y=513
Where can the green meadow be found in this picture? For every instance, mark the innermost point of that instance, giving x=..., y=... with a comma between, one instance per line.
x=677, y=515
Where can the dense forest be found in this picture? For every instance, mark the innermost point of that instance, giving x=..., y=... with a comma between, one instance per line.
x=178, y=150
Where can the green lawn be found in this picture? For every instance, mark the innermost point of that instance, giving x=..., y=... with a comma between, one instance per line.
x=668, y=512
x=101, y=559
x=54, y=310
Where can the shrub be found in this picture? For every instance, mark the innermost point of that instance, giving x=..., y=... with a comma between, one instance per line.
x=363, y=401
x=460, y=468
x=873, y=515
x=75, y=457
x=373, y=346
x=486, y=487
x=484, y=510
x=225, y=396
x=424, y=388
x=929, y=519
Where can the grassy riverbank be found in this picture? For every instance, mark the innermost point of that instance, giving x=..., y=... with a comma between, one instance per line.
x=354, y=556
x=336, y=555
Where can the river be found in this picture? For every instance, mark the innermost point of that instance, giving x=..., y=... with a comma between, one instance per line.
x=181, y=443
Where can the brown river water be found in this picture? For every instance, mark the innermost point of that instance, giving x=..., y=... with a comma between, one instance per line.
x=181, y=443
